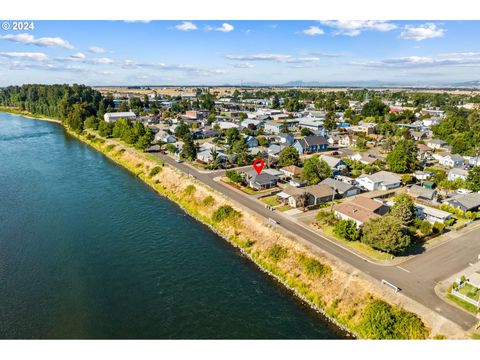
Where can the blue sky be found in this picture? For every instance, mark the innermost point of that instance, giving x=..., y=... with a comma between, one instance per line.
x=231, y=52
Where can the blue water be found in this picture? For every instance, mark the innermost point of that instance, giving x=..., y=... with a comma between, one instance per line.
x=88, y=251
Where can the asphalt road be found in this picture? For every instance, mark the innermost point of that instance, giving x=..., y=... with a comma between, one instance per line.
x=416, y=277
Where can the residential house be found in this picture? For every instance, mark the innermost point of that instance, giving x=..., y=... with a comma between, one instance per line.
x=422, y=175
x=382, y=180
x=227, y=125
x=364, y=158
x=418, y=135
x=251, y=142
x=457, y=173
x=308, y=196
x=311, y=123
x=347, y=140
x=431, y=214
x=291, y=171
x=436, y=143
x=164, y=137
x=337, y=165
x=311, y=144
x=420, y=192
x=341, y=188
x=285, y=139
x=465, y=202
x=273, y=127
x=452, y=160
x=360, y=209
x=262, y=181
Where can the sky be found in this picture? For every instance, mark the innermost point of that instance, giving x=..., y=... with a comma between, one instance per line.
x=240, y=52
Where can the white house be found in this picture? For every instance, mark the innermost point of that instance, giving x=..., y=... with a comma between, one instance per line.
x=436, y=143
x=382, y=180
x=457, y=173
x=165, y=137
x=452, y=160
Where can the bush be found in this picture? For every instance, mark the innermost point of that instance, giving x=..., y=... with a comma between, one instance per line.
x=208, y=201
x=383, y=321
x=312, y=266
x=277, y=253
x=346, y=229
x=326, y=217
x=426, y=228
x=189, y=190
x=450, y=222
x=234, y=176
x=438, y=228
x=225, y=212
x=155, y=171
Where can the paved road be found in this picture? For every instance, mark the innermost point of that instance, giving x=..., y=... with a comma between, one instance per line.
x=416, y=277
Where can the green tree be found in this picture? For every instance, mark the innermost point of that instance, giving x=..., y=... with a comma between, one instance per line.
x=473, y=179
x=330, y=122
x=403, y=157
x=315, y=170
x=234, y=176
x=182, y=130
x=105, y=129
x=289, y=156
x=275, y=102
x=403, y=209
x=145, y=141
x=346, y=229
x=262, y=141
x=91, y=122
x=189, y=150
x=232, y=135
x=76, y=117
x=306, y=132
x=386, y=234
x=374, y=107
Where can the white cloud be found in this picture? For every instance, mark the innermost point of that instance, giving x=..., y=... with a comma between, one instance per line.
x=280, y=58
x=138, y=21
x=440, y=60
x=313, y=30
x=355, y=27
x=35, y=56
x=422, y=32
x=97, y=50
x=243, y=65
x=188, y=69
x=43, y=41
x=225, y=28
x=186, y=26
x=81, y=57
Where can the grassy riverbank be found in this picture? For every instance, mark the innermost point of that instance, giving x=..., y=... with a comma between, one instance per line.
x=344, y=298
x=329, y=286
x=15, y=111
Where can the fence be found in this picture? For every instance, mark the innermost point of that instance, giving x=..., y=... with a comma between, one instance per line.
x=465, y=297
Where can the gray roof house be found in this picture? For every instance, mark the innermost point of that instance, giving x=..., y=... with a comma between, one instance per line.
x=418, y=191
x=336, y=164
x=382, y=180
x=465, y=202
x=262, y=181
x=311, y=144
x=452, y=160
x=342, y=189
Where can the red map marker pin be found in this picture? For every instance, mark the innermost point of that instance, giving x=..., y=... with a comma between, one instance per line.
x=258, y=165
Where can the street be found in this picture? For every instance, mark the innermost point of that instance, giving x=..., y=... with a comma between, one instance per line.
x=415, y=277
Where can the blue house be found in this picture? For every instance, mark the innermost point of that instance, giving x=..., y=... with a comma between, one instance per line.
x=311, y=144
x=251, y=142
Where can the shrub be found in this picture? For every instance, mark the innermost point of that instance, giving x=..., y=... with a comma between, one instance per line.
x=189, y=190
x=346, y=229
x=277, y=252
x=326, y=217
x=109, y=148
x=426, y=228
x=234, y=176
x=155, y=170
x=208, y=201
x=225, y=212
x=450, y=222
x=383, y=321
x=438, y=228
x=312, y=266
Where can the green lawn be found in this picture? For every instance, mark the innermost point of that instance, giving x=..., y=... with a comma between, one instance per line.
x=271, y=200
x=463, y=304
x=358, y=246
x=283, y=208
x=245, y=189
x=470, y=291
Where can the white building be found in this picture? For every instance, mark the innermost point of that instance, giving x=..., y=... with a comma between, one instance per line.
x=114, y=116
x=382, y=180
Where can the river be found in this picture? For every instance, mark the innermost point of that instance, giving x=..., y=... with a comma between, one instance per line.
x=88, y=251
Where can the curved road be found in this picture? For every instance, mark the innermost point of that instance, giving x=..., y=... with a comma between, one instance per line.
x=416, y=277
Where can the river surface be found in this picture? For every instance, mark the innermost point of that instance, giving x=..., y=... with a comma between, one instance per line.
x=88, y=251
